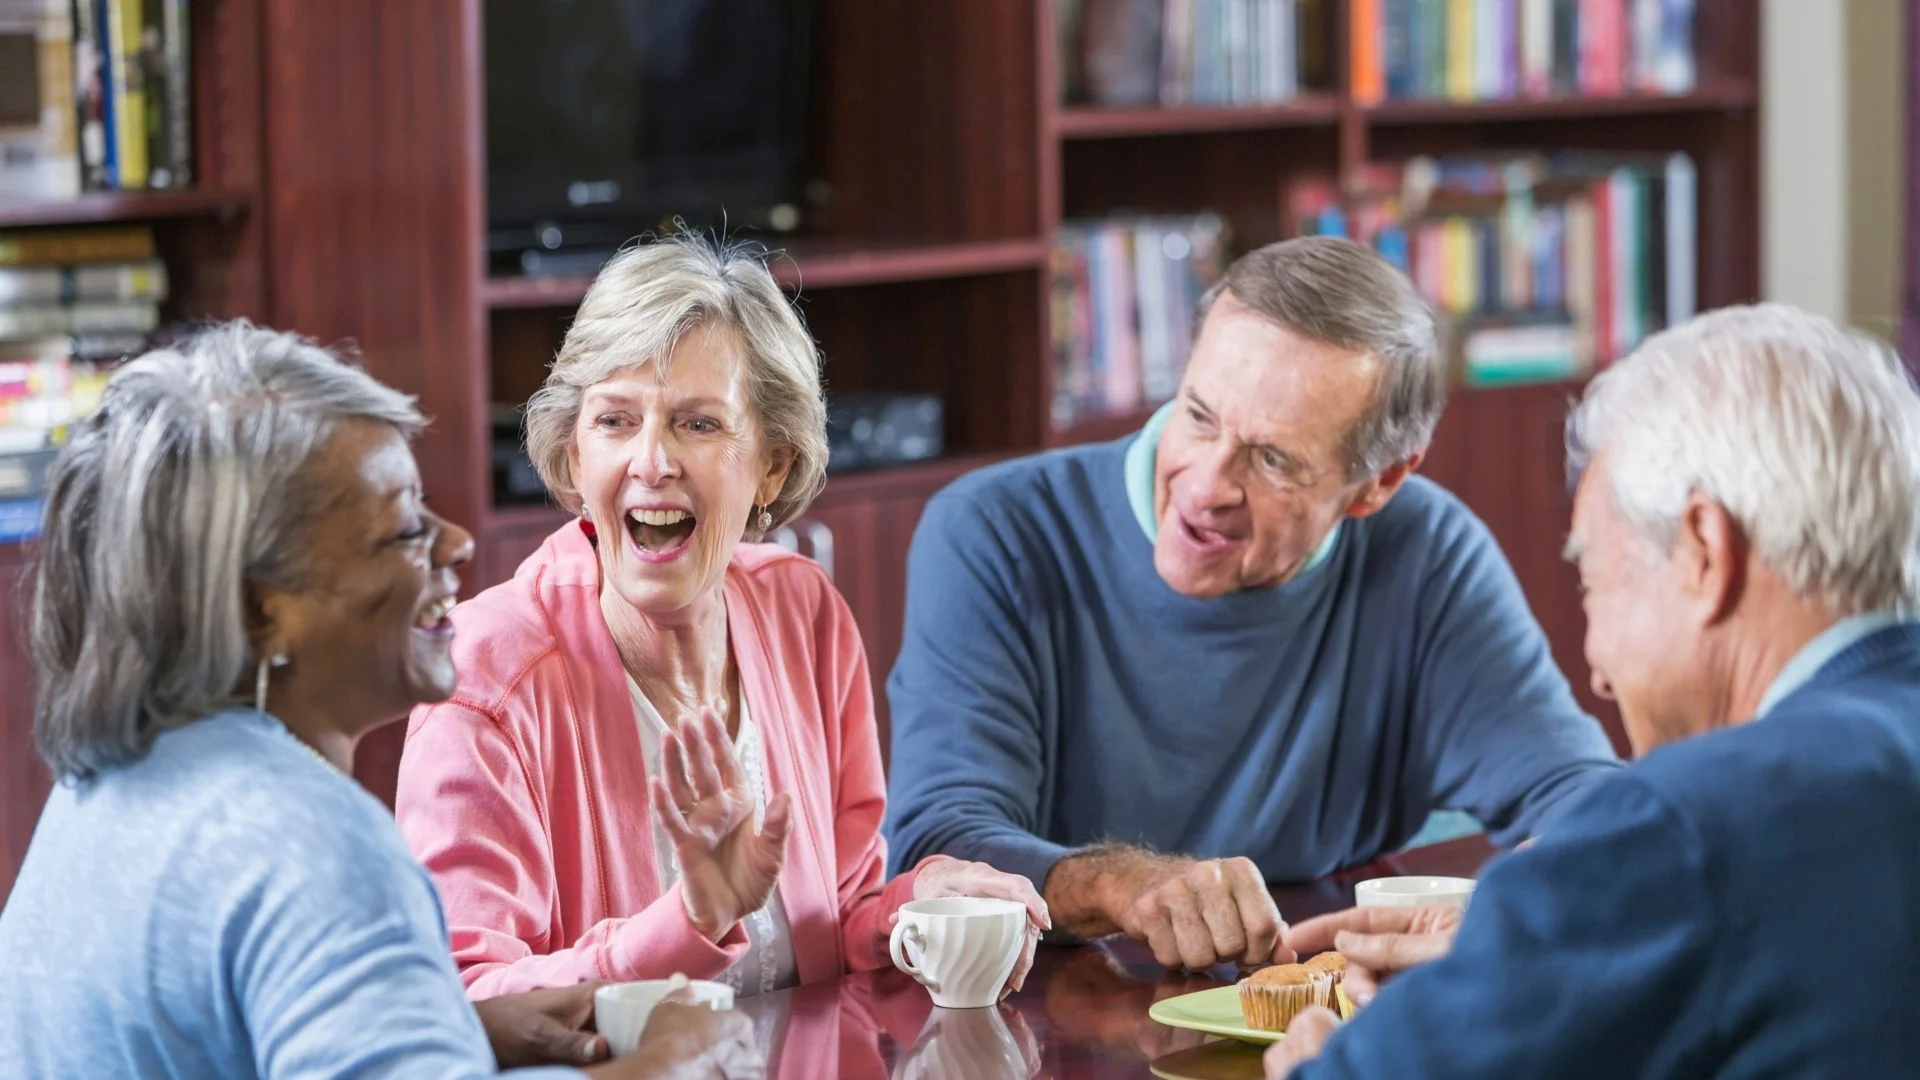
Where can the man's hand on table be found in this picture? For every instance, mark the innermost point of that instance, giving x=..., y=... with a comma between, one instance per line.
x=1378, y=943
x=1192, y=913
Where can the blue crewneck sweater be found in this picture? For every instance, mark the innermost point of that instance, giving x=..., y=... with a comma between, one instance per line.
x=1052, y=691
x=1741, y=904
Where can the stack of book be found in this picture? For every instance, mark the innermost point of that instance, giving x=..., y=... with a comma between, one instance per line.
x=72, y=302
x=1543, y=266
x=1478, y=50
x=104, y=100
x=1131, y=53
x=1122, y=308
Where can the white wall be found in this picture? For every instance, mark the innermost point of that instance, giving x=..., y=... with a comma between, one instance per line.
x=1832, y=125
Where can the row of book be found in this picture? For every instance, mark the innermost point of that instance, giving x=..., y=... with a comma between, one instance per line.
x=73, y=303
x=1117, y=53
x=45, y=385
x=1122, y=298
x=1475, y=50
x=103, y=100
x=1542, y=266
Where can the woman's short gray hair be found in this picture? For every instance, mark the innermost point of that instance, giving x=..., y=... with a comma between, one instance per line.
x=1808, y=434
x=640, y=307
x=1345, y=294
x=183, y=488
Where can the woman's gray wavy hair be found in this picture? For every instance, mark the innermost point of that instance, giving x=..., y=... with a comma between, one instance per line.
x=183, y=488
x=640, y=307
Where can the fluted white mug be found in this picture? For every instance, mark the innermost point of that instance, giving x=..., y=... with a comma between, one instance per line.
x=961, y=948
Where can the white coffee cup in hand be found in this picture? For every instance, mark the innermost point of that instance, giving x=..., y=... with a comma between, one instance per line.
x=961, y=948
x=621, y=1010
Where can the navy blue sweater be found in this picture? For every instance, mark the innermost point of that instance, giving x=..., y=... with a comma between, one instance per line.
x=1746, y=903
x=1053, y=691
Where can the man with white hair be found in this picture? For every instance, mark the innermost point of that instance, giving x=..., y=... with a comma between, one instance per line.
x=1741, y=901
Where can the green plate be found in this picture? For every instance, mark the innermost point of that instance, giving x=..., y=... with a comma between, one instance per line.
x=1215, y=1011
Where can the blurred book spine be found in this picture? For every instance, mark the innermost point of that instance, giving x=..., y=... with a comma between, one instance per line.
x=1493, y=50
x=39, y=156
x=1540, y=265
x=95, y=95
x=1122, y=298
x=1147, y=53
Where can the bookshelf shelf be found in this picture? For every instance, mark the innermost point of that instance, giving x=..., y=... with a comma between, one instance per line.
x=98, y=207
x=1706, y=99
x=1102, y=427
x=1315, y=110
x=816, y=266
x=531, y=515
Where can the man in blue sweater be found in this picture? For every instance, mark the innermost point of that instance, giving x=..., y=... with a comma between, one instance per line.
x=1741, y=902
x=1245, y=645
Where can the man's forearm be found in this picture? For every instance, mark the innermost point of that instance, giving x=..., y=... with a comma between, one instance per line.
x=1079, y=888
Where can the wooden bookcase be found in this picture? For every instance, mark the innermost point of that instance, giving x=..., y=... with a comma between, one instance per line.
x=950, y=164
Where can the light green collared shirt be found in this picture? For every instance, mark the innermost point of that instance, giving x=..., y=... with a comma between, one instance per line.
x=1826, y=645
x=1139, y=476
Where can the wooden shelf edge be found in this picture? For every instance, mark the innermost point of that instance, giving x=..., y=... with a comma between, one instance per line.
x=1707, y=98
x=528, y=516
x=917, y=478
x=1083, y=122
x=822, y=267
x=1102, y=427
x=97, y=207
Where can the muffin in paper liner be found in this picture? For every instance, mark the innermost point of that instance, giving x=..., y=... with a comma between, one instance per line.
x=1334, y=967
x=1271, y=997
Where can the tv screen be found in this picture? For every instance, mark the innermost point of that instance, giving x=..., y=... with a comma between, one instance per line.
x=608, y=118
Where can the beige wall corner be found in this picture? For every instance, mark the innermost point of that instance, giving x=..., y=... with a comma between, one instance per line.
x=1832, y=131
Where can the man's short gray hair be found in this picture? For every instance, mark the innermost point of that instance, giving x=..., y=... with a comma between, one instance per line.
x=637, y=311
x=1345, y=294
x=1807, y=433
x=183, y=488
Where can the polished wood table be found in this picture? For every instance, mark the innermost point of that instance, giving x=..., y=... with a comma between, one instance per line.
x=1083, y=1012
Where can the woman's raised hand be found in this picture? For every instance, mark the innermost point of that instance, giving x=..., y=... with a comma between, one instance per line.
x=728, y=861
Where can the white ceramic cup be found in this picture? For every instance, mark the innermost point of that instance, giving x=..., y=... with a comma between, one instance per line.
x=1413, y=892
x=620, y=1011
x=961, y=948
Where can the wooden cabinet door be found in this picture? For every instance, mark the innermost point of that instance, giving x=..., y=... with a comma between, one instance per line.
x=24, y=780
x=862, y=539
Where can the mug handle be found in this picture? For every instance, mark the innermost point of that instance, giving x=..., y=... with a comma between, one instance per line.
x=902, y=931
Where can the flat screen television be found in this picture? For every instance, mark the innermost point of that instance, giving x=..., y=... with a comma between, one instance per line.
x=611, y=118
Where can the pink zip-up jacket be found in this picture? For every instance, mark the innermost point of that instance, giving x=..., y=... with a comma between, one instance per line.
x=526, y=794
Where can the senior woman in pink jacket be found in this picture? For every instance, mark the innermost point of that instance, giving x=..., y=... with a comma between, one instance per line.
x=662, y=754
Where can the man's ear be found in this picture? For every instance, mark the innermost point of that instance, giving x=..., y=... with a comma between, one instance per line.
x=1710, y=553
x=1380, y=488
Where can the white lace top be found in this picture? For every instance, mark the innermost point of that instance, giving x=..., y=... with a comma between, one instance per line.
x=768, y=963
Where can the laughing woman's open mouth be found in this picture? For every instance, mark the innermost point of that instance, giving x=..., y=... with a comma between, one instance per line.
x=660, y=533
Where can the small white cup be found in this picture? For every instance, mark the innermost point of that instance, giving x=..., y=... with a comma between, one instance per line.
x=961, y=948
x=620, y=1011
x=1413, y=892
